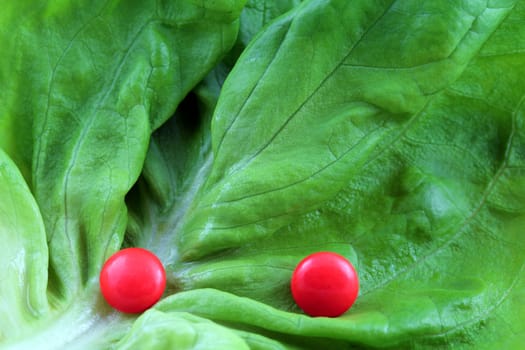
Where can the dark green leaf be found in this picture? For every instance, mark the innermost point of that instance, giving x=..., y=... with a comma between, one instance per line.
x=401, y=149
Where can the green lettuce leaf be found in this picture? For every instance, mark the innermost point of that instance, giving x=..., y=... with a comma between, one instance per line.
x=24, y=281
x=391, y=132
x=406, y=158
x=86, y=84
x=176, y=330
x=258, y=13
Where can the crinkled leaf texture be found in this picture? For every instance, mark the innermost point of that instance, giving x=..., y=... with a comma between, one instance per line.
x=392, y=132
x=83, y=86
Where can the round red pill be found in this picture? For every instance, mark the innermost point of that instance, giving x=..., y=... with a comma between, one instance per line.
x=132, y=280
x=325, y=284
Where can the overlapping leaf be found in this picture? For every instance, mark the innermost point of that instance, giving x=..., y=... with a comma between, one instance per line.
x=402, y=150
x=392, y=132
x=84, y=85
x=24, y=281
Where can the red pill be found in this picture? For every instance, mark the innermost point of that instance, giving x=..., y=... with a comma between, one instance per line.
x=325, y=284
x=132, y=280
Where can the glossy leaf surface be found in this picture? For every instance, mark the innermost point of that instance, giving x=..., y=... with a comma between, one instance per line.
x=389, y=132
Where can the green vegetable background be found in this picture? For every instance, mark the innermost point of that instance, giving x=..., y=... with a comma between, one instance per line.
x=232, y=139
